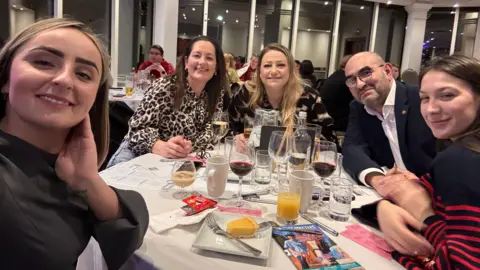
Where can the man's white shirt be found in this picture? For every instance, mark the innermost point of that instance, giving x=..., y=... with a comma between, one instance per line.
x=389, y=125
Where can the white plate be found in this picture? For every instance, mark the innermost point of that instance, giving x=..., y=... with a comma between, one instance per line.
x=207, y=240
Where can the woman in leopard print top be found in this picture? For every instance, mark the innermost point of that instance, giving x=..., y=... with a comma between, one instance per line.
x=173, y=117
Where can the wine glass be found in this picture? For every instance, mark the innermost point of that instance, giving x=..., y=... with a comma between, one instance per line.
x=219, y=127
x=183, y=175
x=279, y=149
x=324, y=162
x=241, y=164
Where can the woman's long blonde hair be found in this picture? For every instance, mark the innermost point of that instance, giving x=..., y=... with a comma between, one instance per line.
x=229, y=60
x=292, y=90
x=99, y=114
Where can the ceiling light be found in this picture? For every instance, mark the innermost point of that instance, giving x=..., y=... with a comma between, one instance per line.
x=461, y=33
x=452, y=12
x=434, y=47
x=223, y=22
x=328, y=31
x=184, y=15
x=389, y=2
x=432, y=38
x=431, y=33
x=226, y=11
x=428, y=41
x=309, y=29
x=220, y=17
x=450, y=30
x=193, y=9
x=14, y=6
x=21, y=8
x=326, y=3
x=456, y=5
x=184, y=18
x=236, y=20
x=362, y=7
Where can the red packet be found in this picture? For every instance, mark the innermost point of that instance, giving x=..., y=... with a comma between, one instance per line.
x=367, y=239
x=196, y=204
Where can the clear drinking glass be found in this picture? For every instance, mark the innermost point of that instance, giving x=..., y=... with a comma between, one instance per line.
x=183, y=175
x=279, y=149
x=263, y=167
x=219, y=127
x=248, y=127
x=340, y=203
x=228, y=145
x=241, y=164
x=288, y=203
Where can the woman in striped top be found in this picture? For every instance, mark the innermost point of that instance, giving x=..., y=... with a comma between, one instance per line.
x=434, y=222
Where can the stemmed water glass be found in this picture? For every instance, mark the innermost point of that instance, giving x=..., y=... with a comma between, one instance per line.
x=183, y=175
x=241, y=163
x=279, y=149
x=219, y=127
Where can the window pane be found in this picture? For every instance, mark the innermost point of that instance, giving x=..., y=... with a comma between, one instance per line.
x=354, y=29
x=390, y=36
x=95, y=13
x=467, y=27
x=272, y=23
x=315, y=23
x=228, y=23
x=190, y=21
x=24, y=13
x=438, y=33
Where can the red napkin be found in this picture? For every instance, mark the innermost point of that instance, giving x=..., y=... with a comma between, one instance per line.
x=367, y=239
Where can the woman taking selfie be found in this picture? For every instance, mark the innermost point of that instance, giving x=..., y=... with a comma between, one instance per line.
x=278, y=87
x=444, y=205
x=173, y=117
x=53, y=137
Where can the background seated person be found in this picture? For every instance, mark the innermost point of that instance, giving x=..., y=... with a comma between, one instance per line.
x=156, y=65
x=173, y=116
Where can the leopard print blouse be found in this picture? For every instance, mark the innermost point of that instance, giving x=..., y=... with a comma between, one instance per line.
x=156, y=118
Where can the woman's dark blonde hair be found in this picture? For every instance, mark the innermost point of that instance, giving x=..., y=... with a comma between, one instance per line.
x=229, y=60
x=293, y=89
x=99, y=111
x=466, y=69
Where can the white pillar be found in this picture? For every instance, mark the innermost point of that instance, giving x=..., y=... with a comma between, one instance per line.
x=251, y=29
x=476, y=48
x=413, y=46
x=454, y=31
x=205, y=18
x=165, y=28
x=58, y=8
x=334, y=47
x=296, y=10
x=114, y=41
x=374, y=26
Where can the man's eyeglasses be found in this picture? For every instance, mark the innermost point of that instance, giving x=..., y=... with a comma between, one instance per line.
x=364, y=74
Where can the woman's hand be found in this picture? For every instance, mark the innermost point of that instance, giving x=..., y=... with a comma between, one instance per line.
x=394, y=223
x=77, y=162
x=176, y=147
x=241, y=143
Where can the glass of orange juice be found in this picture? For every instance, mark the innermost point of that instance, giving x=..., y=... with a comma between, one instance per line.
x=288, y=204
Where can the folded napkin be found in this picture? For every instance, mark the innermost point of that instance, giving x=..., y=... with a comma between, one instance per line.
x=168, y=220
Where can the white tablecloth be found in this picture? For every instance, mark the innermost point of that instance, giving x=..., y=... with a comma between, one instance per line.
x=132, y=101
x=173, y=249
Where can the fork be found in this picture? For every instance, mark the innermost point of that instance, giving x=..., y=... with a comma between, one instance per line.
x=212, y=224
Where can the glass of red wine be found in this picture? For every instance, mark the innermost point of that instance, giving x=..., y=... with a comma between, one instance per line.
x=324, y=164
x=241, y=164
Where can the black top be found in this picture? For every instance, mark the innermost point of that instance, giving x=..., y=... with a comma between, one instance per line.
x=308, y=102
x=337, y=97
x=44, y=225
x=366, y=145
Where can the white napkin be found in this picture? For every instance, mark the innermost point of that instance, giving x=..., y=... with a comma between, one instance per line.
x=168, y=220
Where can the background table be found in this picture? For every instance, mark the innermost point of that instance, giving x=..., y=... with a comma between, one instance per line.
x=173, y=249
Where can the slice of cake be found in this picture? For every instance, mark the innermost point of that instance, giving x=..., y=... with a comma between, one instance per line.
x=242, y=227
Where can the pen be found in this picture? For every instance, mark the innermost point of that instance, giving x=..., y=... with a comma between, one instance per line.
x=321, y=225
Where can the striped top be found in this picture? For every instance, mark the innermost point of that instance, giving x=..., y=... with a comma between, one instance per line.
x=454, y=232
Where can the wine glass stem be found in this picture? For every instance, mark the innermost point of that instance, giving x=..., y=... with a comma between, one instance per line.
x=278, y=173
x=239, y=193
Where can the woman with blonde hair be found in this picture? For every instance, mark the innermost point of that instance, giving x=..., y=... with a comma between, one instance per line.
x=54, y=130
x=278, y=87
x=230, y=65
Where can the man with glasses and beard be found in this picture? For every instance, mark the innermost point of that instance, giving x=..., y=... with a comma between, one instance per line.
x=385, y=127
